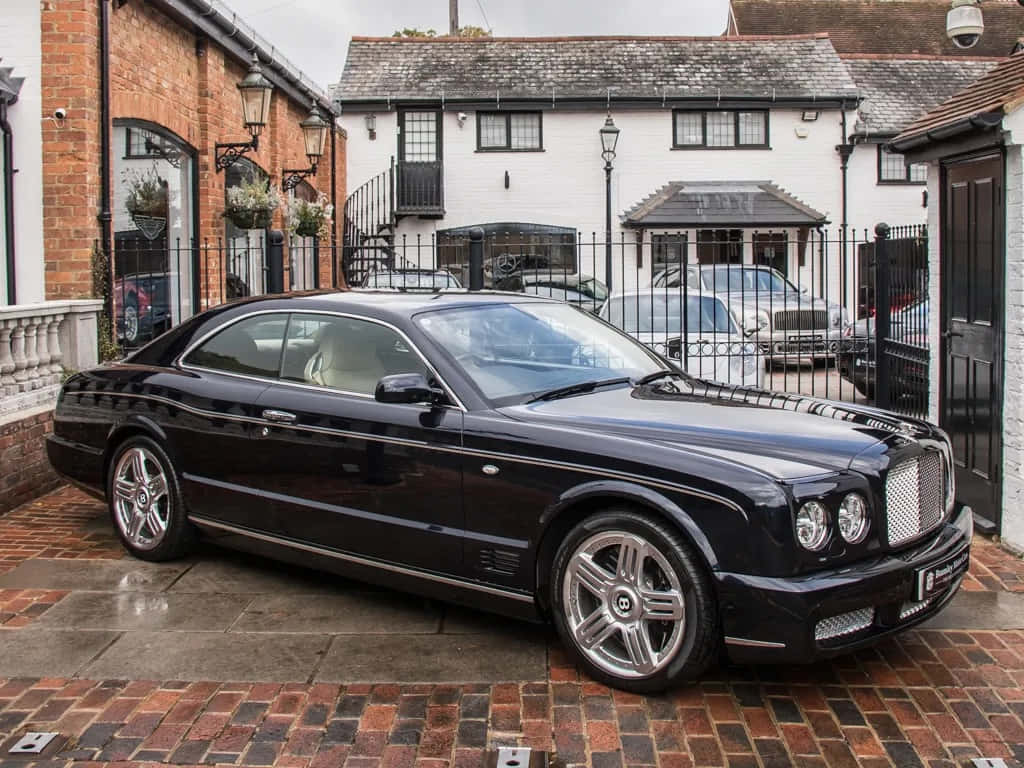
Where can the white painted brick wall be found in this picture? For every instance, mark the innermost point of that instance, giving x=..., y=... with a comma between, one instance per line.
x=20, y=48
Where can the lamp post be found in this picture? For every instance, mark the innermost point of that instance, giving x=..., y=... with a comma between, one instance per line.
x=255, y=90
x=609, y=138
x=314, y=134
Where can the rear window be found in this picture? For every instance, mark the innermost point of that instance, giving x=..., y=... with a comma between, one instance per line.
x=251, y=346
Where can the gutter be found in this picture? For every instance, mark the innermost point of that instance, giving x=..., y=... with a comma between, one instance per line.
x=551, y=102
x=8, y=187
x=984, y=121
x=217, y=22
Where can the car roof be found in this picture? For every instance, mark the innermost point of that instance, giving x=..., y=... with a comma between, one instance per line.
x=662, y=292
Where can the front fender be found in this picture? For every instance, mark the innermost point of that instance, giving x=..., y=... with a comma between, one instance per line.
x=637, y=494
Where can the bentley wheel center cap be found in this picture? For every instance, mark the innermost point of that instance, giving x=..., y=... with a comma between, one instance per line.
x=623, y=604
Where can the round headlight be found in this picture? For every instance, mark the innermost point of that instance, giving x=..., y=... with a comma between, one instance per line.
x=812, y=526
x=853, y=518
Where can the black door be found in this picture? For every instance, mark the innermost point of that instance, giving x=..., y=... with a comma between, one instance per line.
x=972, y=329
x=420, y=182
x=348, y=473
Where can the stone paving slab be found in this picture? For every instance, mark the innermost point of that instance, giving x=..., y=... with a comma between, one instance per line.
x=210, y=656
x=517, y=653
x=227, y=573
x=49, y=652
x=144, y=611
x=981, y=610
x=367, y=613
x=129, y=575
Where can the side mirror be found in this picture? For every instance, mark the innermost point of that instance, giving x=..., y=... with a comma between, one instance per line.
x=804, y=289
x=747, y=331
x=407, y=388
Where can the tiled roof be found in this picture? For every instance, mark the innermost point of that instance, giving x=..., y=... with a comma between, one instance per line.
x=804, y=66
x=881, y=26
x=899, y=90
x=1001, y=89
x=722, y=203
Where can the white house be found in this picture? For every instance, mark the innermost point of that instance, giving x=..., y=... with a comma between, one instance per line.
x=974, y=147
x=504, y=134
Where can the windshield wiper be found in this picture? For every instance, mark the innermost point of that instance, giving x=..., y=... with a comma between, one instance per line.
x=651, y=377
x=575, y=389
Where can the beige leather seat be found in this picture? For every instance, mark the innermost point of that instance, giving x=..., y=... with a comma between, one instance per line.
x=347, y=358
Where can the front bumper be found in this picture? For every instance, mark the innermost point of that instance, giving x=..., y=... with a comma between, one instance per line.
x=774, y=619
x=822, y=342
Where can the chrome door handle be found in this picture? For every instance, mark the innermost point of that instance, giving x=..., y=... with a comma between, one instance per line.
x=951, y=334
x=279, y=417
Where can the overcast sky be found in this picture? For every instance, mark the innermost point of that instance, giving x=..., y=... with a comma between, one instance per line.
x=314, y=33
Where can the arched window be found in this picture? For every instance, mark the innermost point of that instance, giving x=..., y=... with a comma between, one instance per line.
x=155, y=264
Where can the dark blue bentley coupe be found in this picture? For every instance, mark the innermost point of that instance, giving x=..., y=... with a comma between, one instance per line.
x=519, y=455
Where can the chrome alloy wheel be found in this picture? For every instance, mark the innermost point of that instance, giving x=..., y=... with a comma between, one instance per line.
x=624, y=604
x=142, y=504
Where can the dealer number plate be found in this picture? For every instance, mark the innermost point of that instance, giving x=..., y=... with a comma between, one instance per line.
x=937, y=577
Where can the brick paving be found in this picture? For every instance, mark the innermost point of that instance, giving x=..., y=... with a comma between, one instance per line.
x=928, y=698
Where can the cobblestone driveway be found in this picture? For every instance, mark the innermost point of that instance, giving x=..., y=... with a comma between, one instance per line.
x=934, y=697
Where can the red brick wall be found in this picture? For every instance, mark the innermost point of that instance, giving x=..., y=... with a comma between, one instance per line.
x=160, y=72
x=25, y=472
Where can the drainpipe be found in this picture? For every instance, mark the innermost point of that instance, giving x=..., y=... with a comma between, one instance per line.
x=845, y=150
x=8, y=134
x=105, y=216
x=334, y=206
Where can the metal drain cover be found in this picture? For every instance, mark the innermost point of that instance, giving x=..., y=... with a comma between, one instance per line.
x=517, y=757
x=32, y=743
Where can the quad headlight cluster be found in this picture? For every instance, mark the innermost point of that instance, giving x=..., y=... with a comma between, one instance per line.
x=814, y=522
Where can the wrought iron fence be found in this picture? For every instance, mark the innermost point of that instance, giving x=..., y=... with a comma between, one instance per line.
x=835, y=314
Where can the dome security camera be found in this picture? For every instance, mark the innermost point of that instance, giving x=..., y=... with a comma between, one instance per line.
x=964, y=23
x=60, y=113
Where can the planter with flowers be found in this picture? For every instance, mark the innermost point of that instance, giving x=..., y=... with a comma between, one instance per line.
x=251, y=204
x=146, y=201
x=309, y=218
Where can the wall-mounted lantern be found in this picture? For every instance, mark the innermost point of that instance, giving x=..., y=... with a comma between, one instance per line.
x=314, y=134
x=255, y=90
x=371, y=126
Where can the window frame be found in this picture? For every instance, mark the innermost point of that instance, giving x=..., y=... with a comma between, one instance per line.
x=507, y=114
x=735, y=127
x=906, y=180
x=179, y=361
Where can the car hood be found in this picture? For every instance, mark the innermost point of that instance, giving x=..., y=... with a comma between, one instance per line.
x=772, y=302
x=786, y=436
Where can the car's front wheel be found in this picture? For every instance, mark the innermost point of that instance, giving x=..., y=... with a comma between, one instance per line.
x=633, y=603
x=145, y=501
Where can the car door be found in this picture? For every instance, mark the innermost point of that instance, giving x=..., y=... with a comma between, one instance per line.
x=381, y=480
x=215, y=436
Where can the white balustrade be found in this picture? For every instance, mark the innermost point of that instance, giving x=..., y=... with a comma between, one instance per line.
x=33, y=341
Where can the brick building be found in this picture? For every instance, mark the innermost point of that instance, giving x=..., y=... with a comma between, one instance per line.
x=136, y=100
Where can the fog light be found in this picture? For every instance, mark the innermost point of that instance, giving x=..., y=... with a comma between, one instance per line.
x=853, y=518
x=844, y=624
x=812, y=526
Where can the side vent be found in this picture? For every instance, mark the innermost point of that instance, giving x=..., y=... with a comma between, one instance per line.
x=499, y=561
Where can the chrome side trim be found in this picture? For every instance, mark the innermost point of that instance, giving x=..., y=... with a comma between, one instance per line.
x=746, y=643
x=551, y=464
x=358, y=560
x=179, y=360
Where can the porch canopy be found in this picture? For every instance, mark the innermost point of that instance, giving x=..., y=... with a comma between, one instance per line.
x=721, y=204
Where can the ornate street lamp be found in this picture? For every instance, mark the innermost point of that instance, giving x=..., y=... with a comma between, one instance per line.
x=609, y=138
x=314, y=133
x=255, y=90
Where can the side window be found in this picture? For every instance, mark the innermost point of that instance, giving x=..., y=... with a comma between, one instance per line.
x=251, y=346
x=345, y=353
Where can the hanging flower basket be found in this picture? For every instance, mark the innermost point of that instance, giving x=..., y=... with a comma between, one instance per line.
x=251, y=204
x=146, y=201
x=309, y=218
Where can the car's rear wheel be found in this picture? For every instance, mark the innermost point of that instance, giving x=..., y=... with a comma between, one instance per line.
x=131, y=320
x=145, y=501
x=633, y=603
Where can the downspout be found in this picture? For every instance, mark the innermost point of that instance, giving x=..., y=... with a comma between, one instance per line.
x=334, y=206
x=105, y=216
x=845, y=150
x=8, y=133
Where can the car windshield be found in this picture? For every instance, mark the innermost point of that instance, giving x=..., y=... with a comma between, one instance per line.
x=514, y=352
x=662, y=313
x=745, y=279
x=411, y=280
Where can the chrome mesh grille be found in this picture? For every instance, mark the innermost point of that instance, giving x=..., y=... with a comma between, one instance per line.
x=801, y=320
x=844, y=624
x=914, y=496
x=910, y=608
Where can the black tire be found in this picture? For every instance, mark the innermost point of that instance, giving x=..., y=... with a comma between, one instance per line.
x=701, y=635
x=179, y=535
